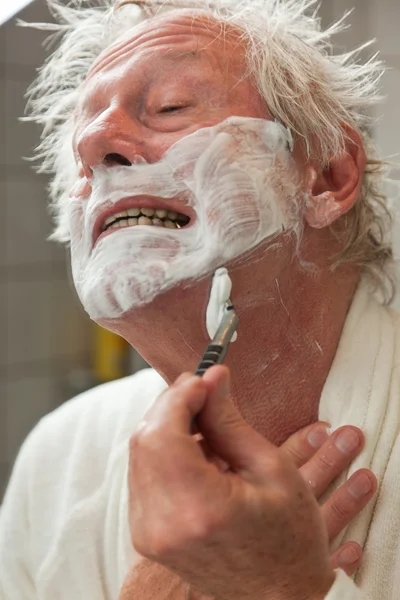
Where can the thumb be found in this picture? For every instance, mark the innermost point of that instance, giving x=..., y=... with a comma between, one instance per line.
x=224, y=429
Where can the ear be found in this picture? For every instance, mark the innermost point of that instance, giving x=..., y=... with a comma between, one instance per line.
x=334, y=191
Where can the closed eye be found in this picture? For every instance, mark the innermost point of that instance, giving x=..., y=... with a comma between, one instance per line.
x=170, y=109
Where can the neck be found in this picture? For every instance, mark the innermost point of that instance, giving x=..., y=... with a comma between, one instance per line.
x=286, y=340
x=280, y=373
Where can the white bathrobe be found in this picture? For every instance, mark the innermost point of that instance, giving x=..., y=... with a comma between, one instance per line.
x=64, y=531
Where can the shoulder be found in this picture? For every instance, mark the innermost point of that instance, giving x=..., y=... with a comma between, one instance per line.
x=71, y=447
x=101, y=418
x=71, y=455
x=110, y=408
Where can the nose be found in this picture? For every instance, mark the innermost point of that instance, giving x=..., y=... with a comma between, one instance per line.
x=112, y=139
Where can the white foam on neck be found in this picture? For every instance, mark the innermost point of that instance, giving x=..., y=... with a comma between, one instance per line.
x=238, y=177
x=221, y=289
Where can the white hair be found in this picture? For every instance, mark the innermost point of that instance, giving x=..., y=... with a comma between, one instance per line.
x=307, y=87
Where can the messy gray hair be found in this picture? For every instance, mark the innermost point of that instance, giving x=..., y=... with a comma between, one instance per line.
x=307, y=87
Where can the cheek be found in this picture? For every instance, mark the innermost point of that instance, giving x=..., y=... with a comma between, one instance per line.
x=81, y=189
x=76, y=222
x=158, y=144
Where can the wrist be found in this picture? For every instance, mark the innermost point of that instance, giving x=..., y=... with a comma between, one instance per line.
x=304, y=590
x=324, y=590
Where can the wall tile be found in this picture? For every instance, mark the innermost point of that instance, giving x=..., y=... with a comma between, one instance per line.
x=3, y=119
x=45, y=321
x=3, y=226
x=386, y=19
x=71, y=328
x=360, y=30
x=3, y=322
x=28, y=401
x=21, y=137
x=19, y=39
x=29, y=322
x=28, y=225
x=388, y=127
x=3, y=424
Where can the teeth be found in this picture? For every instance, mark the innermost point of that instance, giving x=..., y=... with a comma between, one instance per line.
x=146, y=216
x=144, y=221
x=115, y=225
x=109, y=220
x=132, y=222
x=169, y=225
x=148, y=212
x=133, y=212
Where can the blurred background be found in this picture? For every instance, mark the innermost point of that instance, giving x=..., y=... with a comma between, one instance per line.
x=49, y=349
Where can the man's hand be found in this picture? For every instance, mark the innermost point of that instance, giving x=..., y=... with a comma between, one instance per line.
x=255, y=531
x=321, y=459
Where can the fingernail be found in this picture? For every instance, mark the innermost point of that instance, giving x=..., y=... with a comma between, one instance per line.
x=348, y=555
x=347, y=441
x=317, y=436
x=360, y=485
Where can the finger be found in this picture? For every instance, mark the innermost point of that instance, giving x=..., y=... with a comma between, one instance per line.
x=303, y=444
x=347, y=558
x=175, y=408
x=333, y=458
x=183, y=377
x=163, y=446
x=348, y=500
x=211, y=457
x=226, y=432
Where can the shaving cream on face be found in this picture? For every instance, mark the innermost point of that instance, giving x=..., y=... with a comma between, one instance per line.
x=221, y=288
x=238, y=177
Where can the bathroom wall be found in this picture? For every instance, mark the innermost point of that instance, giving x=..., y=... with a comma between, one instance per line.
x=45, y=338
x=44, y=335
x=376, y=19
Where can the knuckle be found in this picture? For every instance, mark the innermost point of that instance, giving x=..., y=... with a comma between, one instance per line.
x=200, y=523
x=340, y=511
x=277, y=464
x=297, y=454
x=163, y=541
x=156, y=544
x=325, y=461
x=145, y=438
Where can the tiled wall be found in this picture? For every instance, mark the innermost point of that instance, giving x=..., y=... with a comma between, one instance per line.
x=44, y=335
x=376, y=19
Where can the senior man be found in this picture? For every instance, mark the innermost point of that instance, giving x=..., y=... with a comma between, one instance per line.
x=183, y=138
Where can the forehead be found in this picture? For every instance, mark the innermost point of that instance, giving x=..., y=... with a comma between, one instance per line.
x=179, y=35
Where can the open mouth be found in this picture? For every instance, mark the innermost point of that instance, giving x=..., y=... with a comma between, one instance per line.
x=159, y=217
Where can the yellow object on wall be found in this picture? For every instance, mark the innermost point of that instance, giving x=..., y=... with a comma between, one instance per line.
x=111, y=355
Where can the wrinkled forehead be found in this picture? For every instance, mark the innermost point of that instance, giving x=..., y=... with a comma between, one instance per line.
x=188, y=30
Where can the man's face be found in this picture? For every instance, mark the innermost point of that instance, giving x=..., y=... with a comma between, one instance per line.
x=162, y=82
